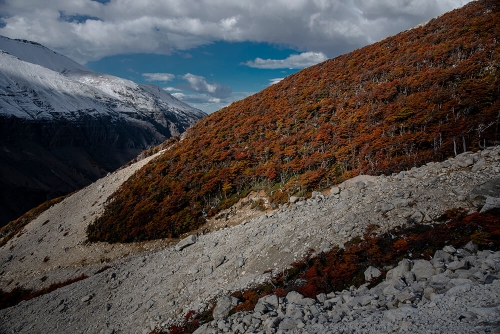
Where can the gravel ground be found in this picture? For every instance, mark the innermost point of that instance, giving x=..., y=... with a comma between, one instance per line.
x=153, y=284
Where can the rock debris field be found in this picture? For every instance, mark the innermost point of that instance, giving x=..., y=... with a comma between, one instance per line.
x=437, y=296
x=457, y=291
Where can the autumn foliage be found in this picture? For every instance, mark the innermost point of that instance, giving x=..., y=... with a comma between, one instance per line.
x=423, y=95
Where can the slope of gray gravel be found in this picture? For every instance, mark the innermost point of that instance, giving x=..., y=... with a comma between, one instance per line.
x=142, y=292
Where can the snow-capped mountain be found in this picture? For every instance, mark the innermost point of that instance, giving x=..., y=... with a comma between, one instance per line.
x=35, y=53
x=34, y=92
x=147, y=100
x=63, y=126
x=46, y=84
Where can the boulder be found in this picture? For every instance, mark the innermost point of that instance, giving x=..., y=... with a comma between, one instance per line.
x=296, y=298
x=240, y=262
x=478, y=165
x=471, y=247
x=480, y=193
x=288, y=324
x=485, y=312
x=440, y=279
x=405, y=295
x=87, y=298
x=271, y=323
x=416, y=218
x=449, y=249
x=317, y=194
x=334, y=191
x=398, y=272
x=271, y=300
x=360, y=185
x=224, y=305
x=423, y=270
x=371, y=273
x=186, y=242
x=443, y=256
x=321, y=297
x=455, y=265
x=490, y=203
x=219, y=260
x=261, y=307
x=366, y=179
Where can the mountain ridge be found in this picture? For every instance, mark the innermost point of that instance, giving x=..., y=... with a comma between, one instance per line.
x=426, y=94
x=38, y=54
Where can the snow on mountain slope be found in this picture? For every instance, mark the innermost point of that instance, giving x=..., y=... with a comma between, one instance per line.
x=38, y=54
x=145, y=98
x=39, y=92
x=170, y=100
x=34, y=92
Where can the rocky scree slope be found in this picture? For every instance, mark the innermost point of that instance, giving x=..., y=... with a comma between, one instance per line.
x=457, y=291
x=153, y=290
x=423, y=95
x=54, y=244
x=61, y=131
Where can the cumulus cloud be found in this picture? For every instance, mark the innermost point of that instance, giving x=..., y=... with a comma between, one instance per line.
x=196, y=98
x=166, y=26
x=160, y=77
x=199, y=84
x=275, y=81
x=172, y=89
x=209, y=103
x=302, y=60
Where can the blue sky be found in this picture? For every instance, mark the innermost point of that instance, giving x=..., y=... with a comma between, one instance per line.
x=210, y=53
x=220, y=63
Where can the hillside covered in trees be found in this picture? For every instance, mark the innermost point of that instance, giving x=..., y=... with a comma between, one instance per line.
x=423, y=95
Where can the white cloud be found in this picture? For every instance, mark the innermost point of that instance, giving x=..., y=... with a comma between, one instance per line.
x=208, y=103
x=199, y=84
x=166, y=26
x=161, y=77
x=172, y=89
x=302, y=60
x=275, y=81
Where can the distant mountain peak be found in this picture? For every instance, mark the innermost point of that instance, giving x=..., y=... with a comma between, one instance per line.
x=36, y=53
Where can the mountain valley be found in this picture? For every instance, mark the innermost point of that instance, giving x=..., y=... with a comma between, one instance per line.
x=62, y=130
x=359, y=195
